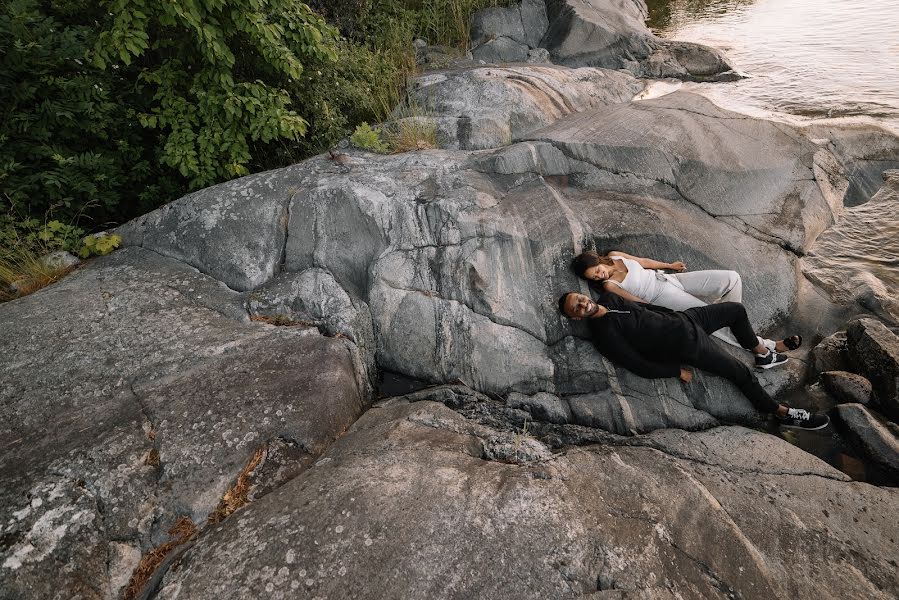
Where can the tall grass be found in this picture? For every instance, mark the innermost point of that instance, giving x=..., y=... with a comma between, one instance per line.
x=448, y=22
x=23, y=271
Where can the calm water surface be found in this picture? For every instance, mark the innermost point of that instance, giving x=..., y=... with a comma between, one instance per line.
x=808, y=58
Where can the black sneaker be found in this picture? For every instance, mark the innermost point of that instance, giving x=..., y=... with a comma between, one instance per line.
x=798, y=418
x=772, y=359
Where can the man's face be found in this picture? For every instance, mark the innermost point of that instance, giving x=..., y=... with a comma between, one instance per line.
x=579, y=306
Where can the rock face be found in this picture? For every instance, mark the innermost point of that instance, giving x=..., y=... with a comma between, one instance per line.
x=501, y=35
x=847, y=387
x=159, y=394
x=491, y=107
x=874, y=350
x=758, y=175
x=195, y=398
x=439, y=252
x=625, y=520
x=877, y=441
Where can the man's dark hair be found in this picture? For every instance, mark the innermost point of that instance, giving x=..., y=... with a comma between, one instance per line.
x=562, y=300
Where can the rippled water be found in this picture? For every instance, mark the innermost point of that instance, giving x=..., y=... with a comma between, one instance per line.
x=814, y=58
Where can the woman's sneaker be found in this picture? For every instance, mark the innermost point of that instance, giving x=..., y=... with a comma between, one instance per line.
x=798, y=418
x=772, y=359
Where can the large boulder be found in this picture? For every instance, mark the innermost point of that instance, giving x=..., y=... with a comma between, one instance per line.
x=134, y=393
x=613, y=34
x=456, y=260
x=508, y=34
x=490, y=107
x=874, y=350
x=847, y=261
x=418, y=502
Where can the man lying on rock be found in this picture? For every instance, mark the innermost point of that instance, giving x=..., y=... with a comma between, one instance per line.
x=654, y=341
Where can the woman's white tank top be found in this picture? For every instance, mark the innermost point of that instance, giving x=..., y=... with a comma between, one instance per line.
x=643, y=283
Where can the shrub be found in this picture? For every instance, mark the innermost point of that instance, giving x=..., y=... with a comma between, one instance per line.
x=218, y=72
x=69, y=139
x=369, y=139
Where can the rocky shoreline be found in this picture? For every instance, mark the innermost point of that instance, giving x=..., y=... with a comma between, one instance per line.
x=196, y=414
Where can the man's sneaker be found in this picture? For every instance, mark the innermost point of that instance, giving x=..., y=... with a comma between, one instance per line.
x=772, y=359
x=798, y=418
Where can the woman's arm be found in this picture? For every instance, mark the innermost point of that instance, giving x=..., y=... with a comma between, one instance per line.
x=648, y=263
x=614, y=288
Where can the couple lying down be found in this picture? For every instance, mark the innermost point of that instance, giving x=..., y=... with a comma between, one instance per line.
x=651, y=323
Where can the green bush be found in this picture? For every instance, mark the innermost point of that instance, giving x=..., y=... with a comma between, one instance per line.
x=109, y=109
x=218, y=71
x=69, y=139
x=368, y=139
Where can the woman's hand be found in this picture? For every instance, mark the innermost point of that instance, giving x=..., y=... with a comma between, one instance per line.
x=686, y=375
x=678, y=266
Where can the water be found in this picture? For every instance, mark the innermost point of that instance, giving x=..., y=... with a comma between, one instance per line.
x=802, y=58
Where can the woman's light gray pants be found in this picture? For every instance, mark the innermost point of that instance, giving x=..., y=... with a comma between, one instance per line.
x=699, y=288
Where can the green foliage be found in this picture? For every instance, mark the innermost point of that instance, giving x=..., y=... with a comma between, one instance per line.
x=369, y=139
x=109, y=109
x=68, y=136
x=99, y=245
x=219, y=71
x=32, y=235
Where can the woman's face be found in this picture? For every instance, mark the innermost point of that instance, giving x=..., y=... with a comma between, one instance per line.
x=598, y=273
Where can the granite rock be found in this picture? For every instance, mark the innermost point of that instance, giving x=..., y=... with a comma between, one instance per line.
x=410, y=485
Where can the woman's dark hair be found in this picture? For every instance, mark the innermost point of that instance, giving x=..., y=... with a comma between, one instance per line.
x=562, y=300
x=585, y=260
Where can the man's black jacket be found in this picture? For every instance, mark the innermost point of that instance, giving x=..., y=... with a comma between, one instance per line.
x=647, y=339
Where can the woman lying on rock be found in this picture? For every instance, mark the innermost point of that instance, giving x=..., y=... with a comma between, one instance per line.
x=654, y=341
x=636, y=279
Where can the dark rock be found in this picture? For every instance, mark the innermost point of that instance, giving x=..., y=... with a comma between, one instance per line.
x=597, y=33
x=613, y=34
x=524, y=24
x=874, y=350
x=542, y=406
x=879, y=443
x=847, y=387
x=832, y=353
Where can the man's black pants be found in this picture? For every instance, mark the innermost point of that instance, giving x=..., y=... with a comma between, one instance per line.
x=706, y=354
